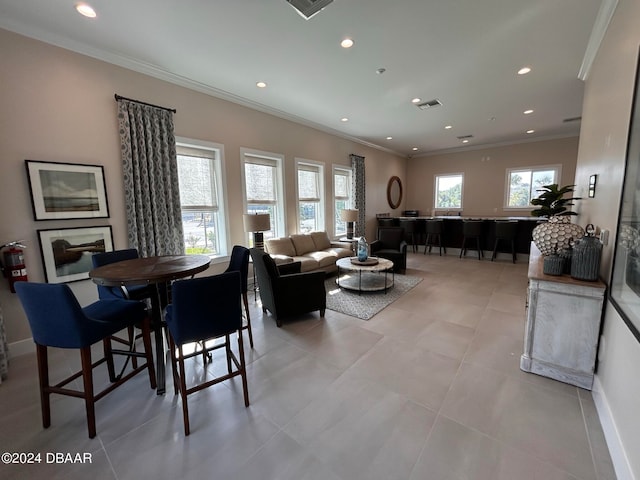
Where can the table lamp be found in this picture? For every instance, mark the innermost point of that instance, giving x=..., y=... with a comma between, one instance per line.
x=349, y=216
x=257, y=223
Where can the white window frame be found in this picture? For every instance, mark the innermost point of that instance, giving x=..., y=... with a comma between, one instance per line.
x=214, y=151
x=436, y=180
x=318, y=168
x=538, y=168
x=248, y=155
x=349, y=199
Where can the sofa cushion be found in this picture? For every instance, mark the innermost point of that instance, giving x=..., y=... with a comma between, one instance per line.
x=307, y=264
x=303, y=244
x=320, y=240
x=280, y=246
x=339, y=253
x=323, y=258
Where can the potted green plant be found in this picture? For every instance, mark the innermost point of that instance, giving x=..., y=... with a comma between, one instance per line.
x=558, y=232
x=552, y=201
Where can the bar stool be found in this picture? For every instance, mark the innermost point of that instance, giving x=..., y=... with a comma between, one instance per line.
x=471, y=229
x=505, y=230
x=434, y=230
x=409, y=226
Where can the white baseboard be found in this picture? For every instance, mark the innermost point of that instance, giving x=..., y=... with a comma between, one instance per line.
x=616, y=448
x=21, y=347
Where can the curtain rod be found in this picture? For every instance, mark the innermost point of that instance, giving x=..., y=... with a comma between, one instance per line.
x=118, y=97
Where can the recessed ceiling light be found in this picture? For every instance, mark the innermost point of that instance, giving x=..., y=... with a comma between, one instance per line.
x=416, y=100
x=465, y=141
x=527, y=112
x=344, y=119
x=530, y=131
x=448, y=127
x=86, y=10
x=261, y=85
x=414, y=148
x=524, y=70
x=389, y=138
x=346, y=43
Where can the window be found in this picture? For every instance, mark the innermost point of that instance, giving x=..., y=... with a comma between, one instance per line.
x=310, y=196
x=522, y=184
x=201, y=199
x=449, y=191
x=263, y=188
x=341, y=197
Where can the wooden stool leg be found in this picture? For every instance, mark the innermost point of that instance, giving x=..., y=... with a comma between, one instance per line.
x=43, y=376
x=87, y=380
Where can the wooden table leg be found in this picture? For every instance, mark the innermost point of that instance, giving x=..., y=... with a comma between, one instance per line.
x=156, y=311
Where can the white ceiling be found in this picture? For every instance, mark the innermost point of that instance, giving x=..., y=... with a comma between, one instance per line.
x=463, y=52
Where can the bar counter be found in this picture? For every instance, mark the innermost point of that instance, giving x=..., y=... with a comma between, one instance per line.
x=452, y=231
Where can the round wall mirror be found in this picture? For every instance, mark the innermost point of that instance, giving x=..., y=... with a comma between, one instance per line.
x=394, y=192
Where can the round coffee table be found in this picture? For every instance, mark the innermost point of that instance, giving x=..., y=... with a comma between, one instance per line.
x=363, y=277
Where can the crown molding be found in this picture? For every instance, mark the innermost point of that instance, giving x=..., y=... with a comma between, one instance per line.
x=485, y=146
x=607, y=8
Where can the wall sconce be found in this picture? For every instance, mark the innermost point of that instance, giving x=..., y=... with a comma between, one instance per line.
x=256, y=224
x=349, y=216
x=593, y=179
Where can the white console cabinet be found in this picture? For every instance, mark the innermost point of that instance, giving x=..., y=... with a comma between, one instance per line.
x=563, y=325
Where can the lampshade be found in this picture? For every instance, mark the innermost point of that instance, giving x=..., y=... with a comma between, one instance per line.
x=347, y=215
x=258, y=222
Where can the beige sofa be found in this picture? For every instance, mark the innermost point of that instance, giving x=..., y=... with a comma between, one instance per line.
x=314, y=251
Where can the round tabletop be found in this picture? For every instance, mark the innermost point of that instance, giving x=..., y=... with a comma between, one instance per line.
x=146, y=270
x=382, y=265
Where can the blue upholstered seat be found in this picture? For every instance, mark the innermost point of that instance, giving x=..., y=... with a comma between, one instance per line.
x=202, y=309
x=239, y=262
x=57, y=320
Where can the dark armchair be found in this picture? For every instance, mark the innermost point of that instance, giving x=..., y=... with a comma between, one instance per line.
x=290, y=293
x=392, y=246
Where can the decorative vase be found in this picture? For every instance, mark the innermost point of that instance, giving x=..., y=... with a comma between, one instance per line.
x=556, y=234
x=585, y=264
x=553, y=264
x=363, y=249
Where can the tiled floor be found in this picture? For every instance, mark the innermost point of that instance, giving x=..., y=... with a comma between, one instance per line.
x=430, y=388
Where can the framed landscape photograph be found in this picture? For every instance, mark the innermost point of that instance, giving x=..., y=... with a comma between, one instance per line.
x=67, y=190
x=66, y=252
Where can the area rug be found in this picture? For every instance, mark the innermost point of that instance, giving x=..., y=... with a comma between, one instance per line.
x=366, y=304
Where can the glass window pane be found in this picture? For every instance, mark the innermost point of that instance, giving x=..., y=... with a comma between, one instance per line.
x=197, y=182
x=308, y=217
x=519, y=189
x=200, y=232
x=540, y=179
x=308, y=185
x=449, y=191
x=341, y=185
x=340, y=226
x=260, y=182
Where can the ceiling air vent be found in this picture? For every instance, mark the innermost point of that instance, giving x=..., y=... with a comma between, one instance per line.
x=463, y=137
x=308, y=8
x=429, y=104
x=572, y=119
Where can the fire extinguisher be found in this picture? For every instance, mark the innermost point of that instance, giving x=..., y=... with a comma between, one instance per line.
x=14, y=267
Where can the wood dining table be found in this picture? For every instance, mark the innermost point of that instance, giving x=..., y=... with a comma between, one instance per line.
x=156, y=272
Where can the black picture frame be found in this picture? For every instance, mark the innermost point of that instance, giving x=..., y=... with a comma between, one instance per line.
x=66, y=252
x=624, y=286
x=61, y=191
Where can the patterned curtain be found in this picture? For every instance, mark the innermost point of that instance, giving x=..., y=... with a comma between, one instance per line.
x=357, y=164
x=150, y=167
